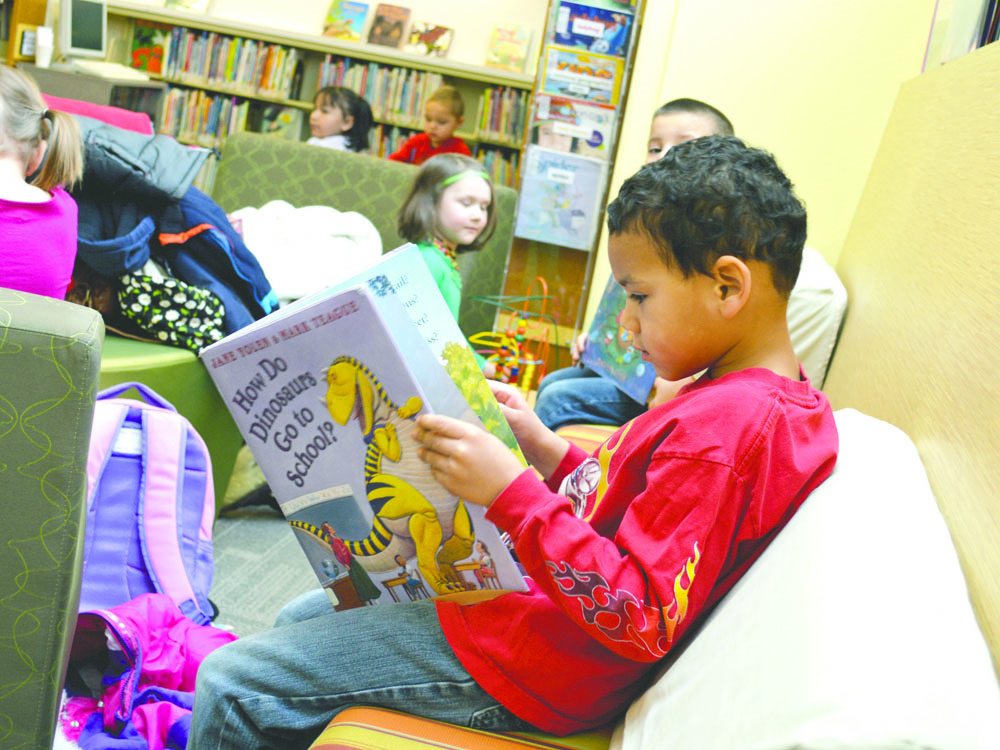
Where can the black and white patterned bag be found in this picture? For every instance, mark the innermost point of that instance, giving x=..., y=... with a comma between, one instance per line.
x=170, y=310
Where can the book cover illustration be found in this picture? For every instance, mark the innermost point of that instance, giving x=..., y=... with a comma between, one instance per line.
x=388, y=25
x=428, y=39
x=345, y=20
x=415, y=286
x=559, y=200
x=150, y=43
x=582, y=75
x=610, y=352
x=327, y=403
x=572, y=126
x=584, y=26
x=285, y=122
x=508, y=47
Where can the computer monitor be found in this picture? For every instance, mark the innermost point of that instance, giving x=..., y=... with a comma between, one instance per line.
x=83, y=29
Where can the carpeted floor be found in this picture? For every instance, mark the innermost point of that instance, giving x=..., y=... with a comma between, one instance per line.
x=259, y=565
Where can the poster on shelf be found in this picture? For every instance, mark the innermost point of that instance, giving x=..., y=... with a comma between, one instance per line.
x=508, y=47
x=428, y=39
x=560, y=198
x=582, y=75
x=345, y=20
x=583, y=26
x=572, y=126
x=388, y=25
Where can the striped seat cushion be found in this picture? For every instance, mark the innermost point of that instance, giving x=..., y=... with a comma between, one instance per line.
x=382, y=729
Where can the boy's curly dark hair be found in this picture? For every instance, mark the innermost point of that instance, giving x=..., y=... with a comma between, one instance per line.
x=715, y=196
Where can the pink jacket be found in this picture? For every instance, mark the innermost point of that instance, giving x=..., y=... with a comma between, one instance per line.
x=152, y=654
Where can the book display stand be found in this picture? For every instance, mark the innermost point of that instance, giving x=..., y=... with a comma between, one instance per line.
x=577, y=104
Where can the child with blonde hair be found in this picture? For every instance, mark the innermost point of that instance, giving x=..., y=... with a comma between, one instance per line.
x=443, y=113
x=40, y=155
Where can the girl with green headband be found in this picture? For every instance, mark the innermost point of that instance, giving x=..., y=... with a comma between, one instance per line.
x=449, y=210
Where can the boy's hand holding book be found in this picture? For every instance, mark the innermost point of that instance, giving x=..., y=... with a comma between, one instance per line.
x=541, y=447
x=468, y=461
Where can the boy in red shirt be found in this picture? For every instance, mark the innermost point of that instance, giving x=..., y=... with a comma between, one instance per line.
x=443, y=113
x=626, y=549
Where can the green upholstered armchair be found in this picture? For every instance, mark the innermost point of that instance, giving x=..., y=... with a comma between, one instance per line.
x=258, y=168
x=50, y=353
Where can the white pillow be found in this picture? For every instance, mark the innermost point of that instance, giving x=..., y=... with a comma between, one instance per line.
x=815, y=310
x=853, y=630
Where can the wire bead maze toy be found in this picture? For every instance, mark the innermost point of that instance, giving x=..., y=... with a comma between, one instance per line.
x=519, y=353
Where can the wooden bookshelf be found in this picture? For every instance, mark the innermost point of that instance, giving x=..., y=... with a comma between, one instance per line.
x=312, y=51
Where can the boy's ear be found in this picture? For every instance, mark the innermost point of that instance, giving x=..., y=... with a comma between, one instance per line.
x=348, y=123
x=459, y=121
x=733, y=282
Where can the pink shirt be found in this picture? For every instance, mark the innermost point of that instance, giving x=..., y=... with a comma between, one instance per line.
x=38, y=244
x=628, y=547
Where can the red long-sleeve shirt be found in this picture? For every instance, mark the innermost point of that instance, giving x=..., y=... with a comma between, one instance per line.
x=670, y=512
x=417, y=149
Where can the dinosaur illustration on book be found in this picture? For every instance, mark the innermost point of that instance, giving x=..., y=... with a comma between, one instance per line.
x=412, y=517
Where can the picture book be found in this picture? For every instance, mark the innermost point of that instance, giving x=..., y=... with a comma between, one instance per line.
x=345, y=20
x=285, y=122
x=326, y=395
x=572, y=126
x=593, y=29
x=428, y=39
x=582, y=75
x=508, y=47
x=150, y=43
x=388, y=25
x=609, y=350
x=560, y=198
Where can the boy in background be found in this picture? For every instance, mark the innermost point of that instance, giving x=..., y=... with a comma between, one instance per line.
x=625, y=549
x=577, y=394
x=443, y=113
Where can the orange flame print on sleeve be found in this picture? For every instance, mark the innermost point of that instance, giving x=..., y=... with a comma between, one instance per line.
x=680, y=603
x=604, y=455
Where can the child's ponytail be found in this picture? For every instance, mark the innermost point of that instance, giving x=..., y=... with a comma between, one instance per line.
x=63, y=164
x=25, y=122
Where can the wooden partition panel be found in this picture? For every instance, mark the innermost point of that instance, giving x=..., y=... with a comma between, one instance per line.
x=920, y=343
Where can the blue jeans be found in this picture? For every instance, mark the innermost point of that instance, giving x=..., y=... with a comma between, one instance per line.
x=578, y=395
x=279, y=688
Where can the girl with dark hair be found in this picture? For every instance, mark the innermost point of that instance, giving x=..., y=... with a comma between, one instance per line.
x=341, y=119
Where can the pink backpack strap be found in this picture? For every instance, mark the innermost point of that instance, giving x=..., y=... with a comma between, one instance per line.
x=158, y=521
x=108, y=417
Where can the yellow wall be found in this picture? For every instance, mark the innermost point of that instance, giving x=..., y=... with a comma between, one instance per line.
x=813, y=82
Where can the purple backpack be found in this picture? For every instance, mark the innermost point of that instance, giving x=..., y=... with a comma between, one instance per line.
x=150, y=506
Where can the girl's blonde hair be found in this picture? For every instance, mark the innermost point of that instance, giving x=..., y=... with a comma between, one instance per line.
x=25, y=122
x=417, y=219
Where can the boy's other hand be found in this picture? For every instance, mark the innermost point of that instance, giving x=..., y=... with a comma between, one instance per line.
x=467, y=461
x=579, y=344
x=542, y=447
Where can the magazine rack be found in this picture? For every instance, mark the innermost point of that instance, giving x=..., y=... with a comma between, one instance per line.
x=578, y=101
